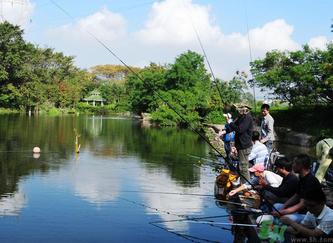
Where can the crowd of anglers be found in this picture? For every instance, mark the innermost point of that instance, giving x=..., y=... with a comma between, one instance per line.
x=292, y=194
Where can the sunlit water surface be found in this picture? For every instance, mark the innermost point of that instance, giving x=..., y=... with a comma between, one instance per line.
x=129, y=183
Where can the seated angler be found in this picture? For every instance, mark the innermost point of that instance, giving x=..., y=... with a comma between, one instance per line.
x=288, y=187
x=318, y=221
x=294, y=207
x=259, y=152
x=259, y=173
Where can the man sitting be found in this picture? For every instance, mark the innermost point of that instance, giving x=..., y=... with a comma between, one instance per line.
x=294, y=207
x=318, y=221
x=259, y=173
x=288, y=187
x=259, y=152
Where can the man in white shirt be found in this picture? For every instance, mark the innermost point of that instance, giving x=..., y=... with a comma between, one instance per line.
x=267, y=127
x=259, y=152
x=259, y=173
x=318, y=221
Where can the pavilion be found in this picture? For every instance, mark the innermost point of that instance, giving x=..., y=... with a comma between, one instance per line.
x=95, y=97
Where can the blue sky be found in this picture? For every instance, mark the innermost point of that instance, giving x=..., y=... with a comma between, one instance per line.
x=143, y=31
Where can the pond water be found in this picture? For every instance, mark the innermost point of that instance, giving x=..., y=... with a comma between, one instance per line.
x=129, y=183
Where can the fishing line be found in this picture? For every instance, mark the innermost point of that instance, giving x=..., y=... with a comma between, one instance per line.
x=206, y=57
x=136, y=75
x=155, y=92
x=185, y=236
x=185, y=219
x=250, y=51
x=158, y=210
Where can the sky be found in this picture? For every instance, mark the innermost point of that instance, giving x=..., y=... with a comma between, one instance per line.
x=138, y=32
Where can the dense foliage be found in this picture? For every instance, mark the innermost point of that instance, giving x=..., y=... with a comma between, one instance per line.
x=182, y=92
x=304, y=78
x=40, y=79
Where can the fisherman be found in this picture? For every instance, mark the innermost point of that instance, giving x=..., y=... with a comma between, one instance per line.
x=259, y=153
x=243, y=126
x=288, y=187
x=324, y=144
x=294, y=207
x=260, y=173
x=318, y=221
x=267, y=127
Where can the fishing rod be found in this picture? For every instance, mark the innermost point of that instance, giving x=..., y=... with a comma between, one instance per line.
x=250, y=51
x=186, y=219
x=185, y=236
x=220, y=223
x=158, y=95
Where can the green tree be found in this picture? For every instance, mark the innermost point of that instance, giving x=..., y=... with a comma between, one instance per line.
x=142, y=91
x=14, y=56
x=303, y=78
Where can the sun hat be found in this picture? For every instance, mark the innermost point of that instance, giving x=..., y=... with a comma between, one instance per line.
x=242, y=105
x=257, y=167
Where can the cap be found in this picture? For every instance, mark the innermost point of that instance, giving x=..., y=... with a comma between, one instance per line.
x=242, y=105
x=257, y=167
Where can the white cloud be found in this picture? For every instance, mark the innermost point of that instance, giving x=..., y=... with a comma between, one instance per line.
x=167, y=33
x=17, y=12
x=104, y=25
x=170, y=23
x=319, y=42
x=273, y=35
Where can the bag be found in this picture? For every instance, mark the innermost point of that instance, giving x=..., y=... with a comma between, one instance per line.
x=330, y=152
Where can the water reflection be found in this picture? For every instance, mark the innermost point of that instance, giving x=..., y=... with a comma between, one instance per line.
x=11, y=204
x=124, y=177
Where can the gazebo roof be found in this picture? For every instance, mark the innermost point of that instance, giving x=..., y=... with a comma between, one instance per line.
x=94, y=97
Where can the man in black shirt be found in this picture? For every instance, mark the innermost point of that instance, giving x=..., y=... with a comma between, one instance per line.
x=288, y=187
x=243, y=126
x=294, y=207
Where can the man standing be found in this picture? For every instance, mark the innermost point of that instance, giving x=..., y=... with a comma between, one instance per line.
x=267, y=128
x=243, y=126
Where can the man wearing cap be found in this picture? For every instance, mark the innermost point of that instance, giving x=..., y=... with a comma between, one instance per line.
x=243, y=126
x=271, y=178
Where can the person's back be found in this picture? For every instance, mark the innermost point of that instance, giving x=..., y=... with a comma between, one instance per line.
x=322, y=151
x=259, y=152
x=243, y=127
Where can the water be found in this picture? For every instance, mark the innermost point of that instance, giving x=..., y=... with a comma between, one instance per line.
x=129, y=183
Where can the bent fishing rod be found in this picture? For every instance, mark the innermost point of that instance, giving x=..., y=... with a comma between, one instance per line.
x=164, y=100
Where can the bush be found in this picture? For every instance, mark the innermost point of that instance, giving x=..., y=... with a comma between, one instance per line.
x=215, y=117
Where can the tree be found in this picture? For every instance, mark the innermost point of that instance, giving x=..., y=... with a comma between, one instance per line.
x=14, y=56
x=143, y=91
x=303, y=78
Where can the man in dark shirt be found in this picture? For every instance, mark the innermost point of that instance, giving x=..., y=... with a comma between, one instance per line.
x=288, y=187
x=243, y=126
x=294, y=207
